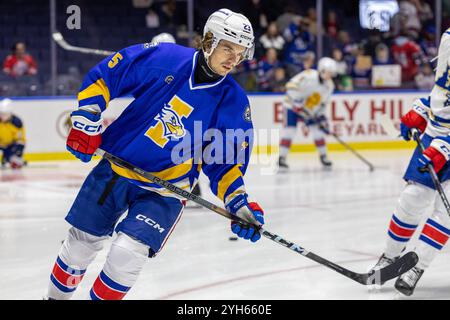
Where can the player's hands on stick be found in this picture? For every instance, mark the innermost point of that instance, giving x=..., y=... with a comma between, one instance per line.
x=322, y=122
x=437, y=154
x=412, y=120
x=85, y=136
x=248, y=211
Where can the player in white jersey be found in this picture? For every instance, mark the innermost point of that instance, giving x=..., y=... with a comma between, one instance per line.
x=306, y=98
x=431, y=116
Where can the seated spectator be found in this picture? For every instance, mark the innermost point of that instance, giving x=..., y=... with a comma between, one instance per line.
x=425, y=78
x=12, y=136
x=299, y=41
x=266, y=70
x=428, y=43
x=308, y=60
x=279, y=84
x=152, y=19
x=348, y=47
x=343, y=79
x=19, y=63
x=382, y=56
x=272, y=38
x=331, y=25
x=311, y=21
x=409, y=10
x=361, y=70
x=408, y=55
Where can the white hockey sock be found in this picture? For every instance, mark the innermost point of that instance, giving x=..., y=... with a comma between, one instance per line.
x=434, y=235
x=413, y=201
x=319, y=139
x=287, y=134
x=123, y=265
x=76, y=253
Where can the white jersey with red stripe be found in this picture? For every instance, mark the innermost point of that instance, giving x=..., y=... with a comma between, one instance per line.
x=308, y=93
x=439, y=115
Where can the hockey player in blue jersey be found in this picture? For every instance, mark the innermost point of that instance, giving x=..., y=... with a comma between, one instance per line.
x=177, y=91
x=431, y=117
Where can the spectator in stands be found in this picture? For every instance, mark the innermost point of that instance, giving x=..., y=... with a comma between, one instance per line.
x=298, y=41
x=272, y=38
x=382, y=56
x=371, y=42
x=409, y=10
x=285, y=19
x=311, y=21
x=331, y=24
x=342, y=81
x=428, y=43
x=408, y=55
x=255, y=11
x=424, y=10
x=19, y=63
x=152, y=19
x=425, y=78
x=167, y=15
x=266, y=70
x=348, y=47
x=361, y=69
x=279, y=84
x=308, y=60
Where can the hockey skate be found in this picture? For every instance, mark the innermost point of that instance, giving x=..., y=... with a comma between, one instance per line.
x=407, y=282
x=325, y=161
x=383, y=261
x=282, y=164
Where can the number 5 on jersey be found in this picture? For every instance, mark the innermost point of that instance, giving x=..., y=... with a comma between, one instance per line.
x=170, y=122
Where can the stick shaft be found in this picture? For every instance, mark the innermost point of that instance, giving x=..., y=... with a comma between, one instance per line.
x=267, y=234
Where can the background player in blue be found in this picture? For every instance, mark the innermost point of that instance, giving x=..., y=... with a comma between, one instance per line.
x=431, y=116
x=177, y=91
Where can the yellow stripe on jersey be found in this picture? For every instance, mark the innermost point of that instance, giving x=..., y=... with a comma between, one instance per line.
x=166, y=174
x=227, y=180
x=98, y=88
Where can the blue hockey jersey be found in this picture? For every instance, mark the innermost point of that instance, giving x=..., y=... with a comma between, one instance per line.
x=174, y=127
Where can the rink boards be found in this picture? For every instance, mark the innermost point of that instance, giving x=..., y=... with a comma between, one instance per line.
x=355, y=117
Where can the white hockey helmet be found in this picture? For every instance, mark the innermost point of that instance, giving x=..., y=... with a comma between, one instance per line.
x=225, y=24
x=5, y=109
x=163, y=37
x=327, y=65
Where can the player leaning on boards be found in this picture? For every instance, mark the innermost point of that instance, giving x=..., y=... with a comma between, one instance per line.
x=432, y=118
x=306, y=98
x=173, y=86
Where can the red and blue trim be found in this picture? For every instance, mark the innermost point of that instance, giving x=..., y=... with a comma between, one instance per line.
x=399, y=230
x=434, y=234
x=105, y=288
x=66, y=278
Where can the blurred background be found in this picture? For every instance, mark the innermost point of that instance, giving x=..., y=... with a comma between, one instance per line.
x=378, y=44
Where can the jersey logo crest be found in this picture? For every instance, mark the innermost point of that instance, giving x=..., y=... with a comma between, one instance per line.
x=313, y=101
x=173, y=127
x=169, y=123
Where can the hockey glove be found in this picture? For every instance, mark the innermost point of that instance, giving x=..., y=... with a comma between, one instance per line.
x=85, y=136
x=437, y=154
x=251, y=212
x=417, y=118
x=322, y=122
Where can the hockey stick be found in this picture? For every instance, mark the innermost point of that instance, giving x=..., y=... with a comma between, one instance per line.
x=326, y=131
x=59, y=39
x=416, y=135
x=402, y=265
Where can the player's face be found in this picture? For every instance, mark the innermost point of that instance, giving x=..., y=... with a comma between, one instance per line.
x=225, y=57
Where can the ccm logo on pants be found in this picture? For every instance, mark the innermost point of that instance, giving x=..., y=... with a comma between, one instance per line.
x=150, y=222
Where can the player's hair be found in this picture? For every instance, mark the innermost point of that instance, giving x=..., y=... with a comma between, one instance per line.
x=207, y=41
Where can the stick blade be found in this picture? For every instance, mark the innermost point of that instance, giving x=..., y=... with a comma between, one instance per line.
x=403, y=264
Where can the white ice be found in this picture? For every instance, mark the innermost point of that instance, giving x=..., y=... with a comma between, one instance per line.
x=341, y=215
